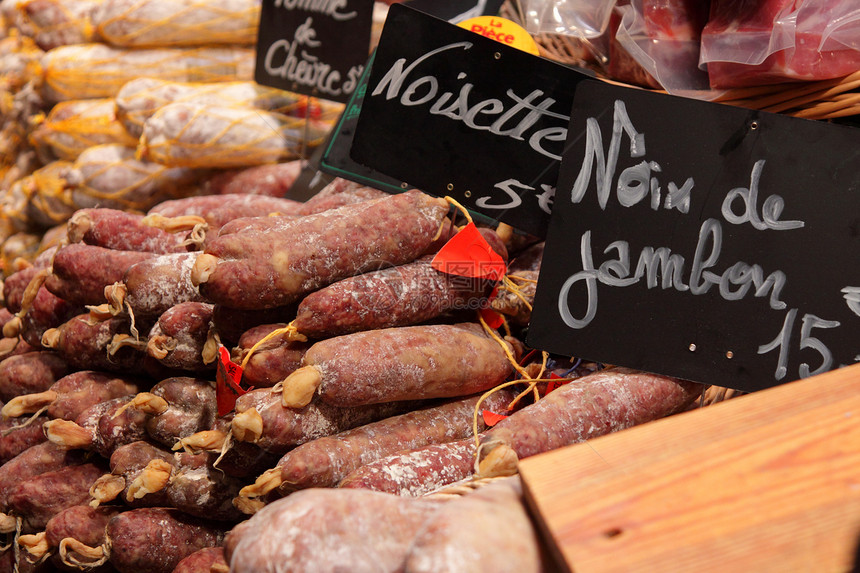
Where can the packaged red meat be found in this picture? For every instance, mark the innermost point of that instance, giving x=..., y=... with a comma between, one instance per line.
x=750, y=43
x=663, y=38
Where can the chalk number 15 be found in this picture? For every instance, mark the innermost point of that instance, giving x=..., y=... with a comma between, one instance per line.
x=781, y=341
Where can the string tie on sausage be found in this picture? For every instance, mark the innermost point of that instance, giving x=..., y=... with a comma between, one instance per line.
x=289, y=332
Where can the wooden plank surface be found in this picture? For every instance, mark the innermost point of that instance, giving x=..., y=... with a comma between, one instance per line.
x=769, y=481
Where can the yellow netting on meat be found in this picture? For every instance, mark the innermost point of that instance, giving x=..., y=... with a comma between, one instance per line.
x=89, y=71
x=163, y=23
x=111, y=176
x=140, y=98
x=41, y=199
x=191, y=135
x=74, y=126
x=53, y=23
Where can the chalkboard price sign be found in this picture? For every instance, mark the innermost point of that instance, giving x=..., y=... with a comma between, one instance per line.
x=454, y=113
x=313, y=48
x=702, y=241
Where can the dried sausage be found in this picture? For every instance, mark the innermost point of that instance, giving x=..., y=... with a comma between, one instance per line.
x=264, y=270
x=404, y=363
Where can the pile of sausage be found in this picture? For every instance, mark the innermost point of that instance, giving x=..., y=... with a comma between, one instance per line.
x=148, y=249
x=366, y=368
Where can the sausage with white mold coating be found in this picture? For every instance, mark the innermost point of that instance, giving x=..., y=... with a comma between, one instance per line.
x=600, y=403
x=416, y=472
x=47, y=311
x=122, y=231
x=185, y=406
x=487, y=529
x=203, y=561
x=155, y=540
x=272, y=180
x=402, y=363
x=81, y=272
x=218, y=210
x=16, y=436
x=75, y=535
x=179, y=338
x=397, y=296
x=151, y=287
x=31, y=372
x=205, y=492
x=262, y=419
x=141, y=473
x=39, y=498
x=326, y=530
x=101, y=428
x=87, y=344
x=274, y=268
x=272, y=361
x=69, y=396
x=33, y=461
x=324, y=462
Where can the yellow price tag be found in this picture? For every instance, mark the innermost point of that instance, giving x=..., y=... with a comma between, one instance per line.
x=504, y=31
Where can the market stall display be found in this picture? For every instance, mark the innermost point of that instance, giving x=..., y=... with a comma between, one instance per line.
x=199, y=373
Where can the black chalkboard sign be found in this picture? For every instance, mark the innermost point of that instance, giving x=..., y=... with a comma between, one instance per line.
x=313, y=48
x=335, y=158
x=454, y=113
x=702, y=241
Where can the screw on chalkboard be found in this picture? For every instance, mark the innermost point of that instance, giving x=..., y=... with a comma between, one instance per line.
x=467, y=193
x=497, y=55
x=404, y=185
x=754, y=125
x=450, y=186
x=692, y=348
x=730, y=354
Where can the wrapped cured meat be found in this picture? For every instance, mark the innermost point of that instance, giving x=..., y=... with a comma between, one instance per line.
x=54, y=23
x=163, y=23
x=138, y=99
x=86, y=71
x=73, y=126
x=205, y=136
x=112, y=176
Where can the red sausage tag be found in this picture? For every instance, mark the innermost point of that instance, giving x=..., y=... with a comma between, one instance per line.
x=228, y=378
x=491, y=418
x=492, y=318
x=555, y=381
x=468, y=254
